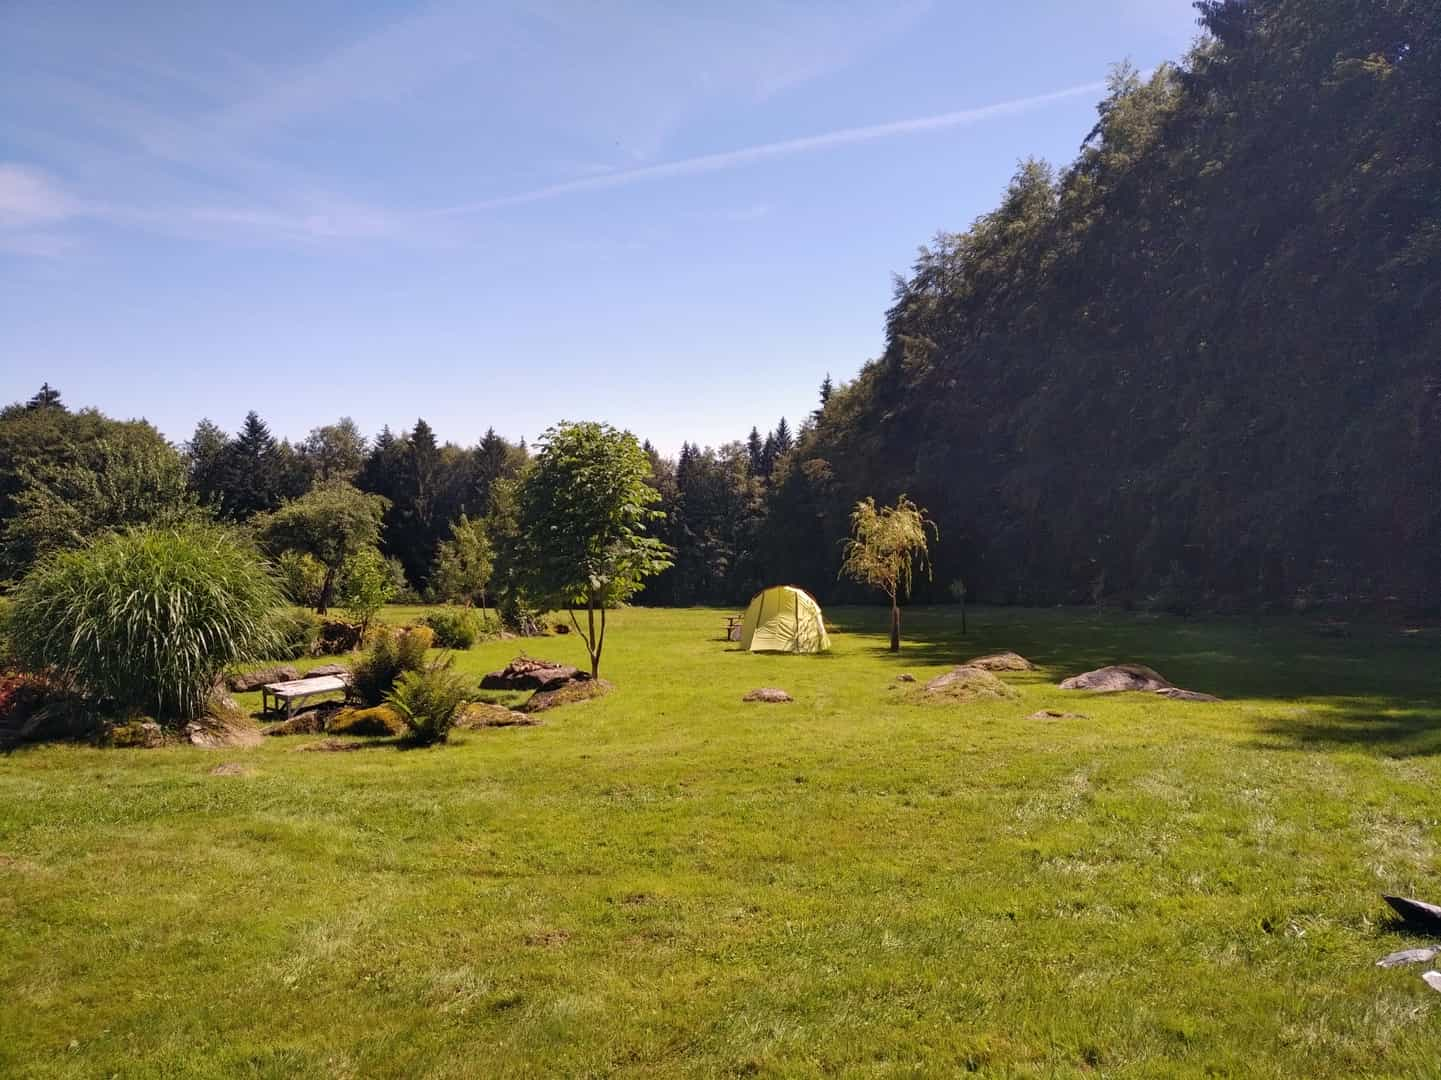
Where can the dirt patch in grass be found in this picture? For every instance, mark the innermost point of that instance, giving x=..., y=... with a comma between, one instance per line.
x=335, y=746
x=231, y=768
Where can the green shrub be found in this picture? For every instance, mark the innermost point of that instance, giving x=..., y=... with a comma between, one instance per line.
x=429, y=701
x=302, y=576
x=455, y=628
x=146, y=620
x=380, y=720
x=295, y=633
x=389, y=654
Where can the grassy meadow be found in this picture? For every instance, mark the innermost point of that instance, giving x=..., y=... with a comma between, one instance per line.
x=667, y=882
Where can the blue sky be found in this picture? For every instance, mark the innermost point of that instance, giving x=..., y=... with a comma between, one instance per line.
x=674, y=217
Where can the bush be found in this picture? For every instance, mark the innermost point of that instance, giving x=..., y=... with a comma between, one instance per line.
x=380, y=720
x=429, y=701
x=146, y=620
x=295, y=633
x=389, y=655
x=302, y=576
x=455, y=628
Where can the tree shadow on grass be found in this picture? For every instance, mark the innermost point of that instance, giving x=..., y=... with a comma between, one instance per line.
x=1386, y=727
x=1377, y=691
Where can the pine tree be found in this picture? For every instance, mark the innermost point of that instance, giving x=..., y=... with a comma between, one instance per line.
x=755, y=449
x=784, y=441
x=47, y=398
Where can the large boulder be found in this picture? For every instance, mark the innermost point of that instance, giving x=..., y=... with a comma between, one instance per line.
x=327, y=669
x=1118, y=678
x=525, y=673
x=1001, y=661
x=244, y=682
x=965, y=683
x=566, y=693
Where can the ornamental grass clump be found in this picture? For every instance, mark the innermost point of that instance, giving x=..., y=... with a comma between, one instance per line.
x=146, y=621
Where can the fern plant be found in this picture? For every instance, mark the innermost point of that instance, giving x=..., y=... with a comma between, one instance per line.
x=429, y=701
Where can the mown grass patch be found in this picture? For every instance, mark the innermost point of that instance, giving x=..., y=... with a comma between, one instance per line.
x=665, y=881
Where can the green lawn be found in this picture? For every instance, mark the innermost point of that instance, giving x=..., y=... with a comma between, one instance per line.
x=667, y=882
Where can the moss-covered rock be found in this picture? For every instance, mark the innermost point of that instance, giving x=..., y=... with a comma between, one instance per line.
x=379, y=720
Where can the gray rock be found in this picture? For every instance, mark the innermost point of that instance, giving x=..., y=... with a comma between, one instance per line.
x=327, y=669
x=245, y=682
x=905, y=677
x=1118, y=678
x=1175, y=693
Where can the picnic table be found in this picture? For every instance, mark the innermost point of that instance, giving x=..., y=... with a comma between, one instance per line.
x=272, y=694
x=733, y=627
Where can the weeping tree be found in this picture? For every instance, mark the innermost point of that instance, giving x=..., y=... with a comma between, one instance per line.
x=885, y=545
x=585, y=509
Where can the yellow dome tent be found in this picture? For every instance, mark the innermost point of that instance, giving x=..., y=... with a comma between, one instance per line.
x=784, y=619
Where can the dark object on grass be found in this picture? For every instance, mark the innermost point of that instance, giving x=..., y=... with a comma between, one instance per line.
x=768, y=694
x=1118, y=678
x=1001, y=661
x=524, y=673
x=1416, y=913
x=337, y=636
x=246, y=681
x=905, y=677
x=1056, y=714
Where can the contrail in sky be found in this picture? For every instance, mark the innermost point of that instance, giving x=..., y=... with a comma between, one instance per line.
x=733, y=159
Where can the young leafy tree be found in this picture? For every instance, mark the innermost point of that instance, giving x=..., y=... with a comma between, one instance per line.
x=333, y=522
x=885, y=544
x=584, y=512
x=367, y=586
x=463, y=563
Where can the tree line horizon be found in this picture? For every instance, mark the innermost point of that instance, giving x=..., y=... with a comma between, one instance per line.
x=1194, y=370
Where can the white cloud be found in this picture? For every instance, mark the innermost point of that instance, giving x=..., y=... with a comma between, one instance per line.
x=29, y=198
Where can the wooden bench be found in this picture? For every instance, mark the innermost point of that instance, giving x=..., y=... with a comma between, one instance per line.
x=273, y=694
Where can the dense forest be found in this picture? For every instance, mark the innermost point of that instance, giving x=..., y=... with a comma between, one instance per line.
x=1198, y=368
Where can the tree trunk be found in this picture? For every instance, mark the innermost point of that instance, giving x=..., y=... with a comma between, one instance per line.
x=895, y=627
x=327, y=588
x=963, y=613
x=592, y=646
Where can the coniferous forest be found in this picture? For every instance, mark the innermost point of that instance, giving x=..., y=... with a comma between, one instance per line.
x=1198, y=368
